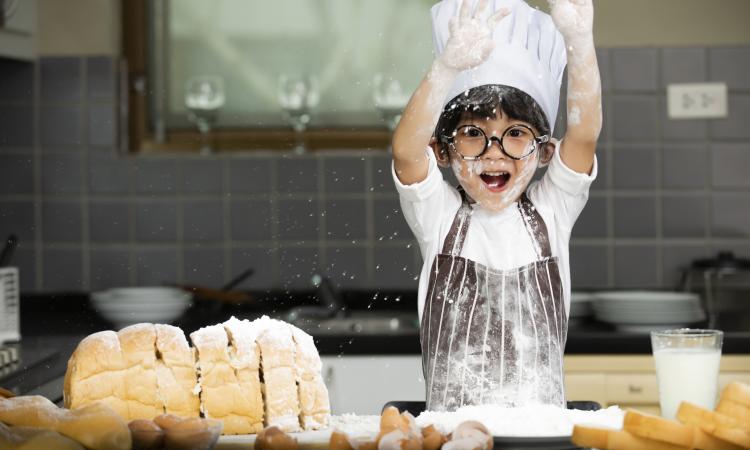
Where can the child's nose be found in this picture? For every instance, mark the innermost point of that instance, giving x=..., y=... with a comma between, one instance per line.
x=495, y=150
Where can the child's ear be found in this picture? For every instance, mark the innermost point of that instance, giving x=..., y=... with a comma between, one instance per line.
x=441, y=153
x=547, y=152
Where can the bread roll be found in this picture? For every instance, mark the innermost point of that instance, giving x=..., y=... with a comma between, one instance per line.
x=245, y=359
x=24, y=438
x=247, y=374
x=282, y=407
x=175, y=372
x=96, y=426
x=138, y=344
x=96, y=372
x=221, y=395
x=315, y=408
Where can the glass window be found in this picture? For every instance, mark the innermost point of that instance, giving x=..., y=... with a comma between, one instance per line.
x=352, y=54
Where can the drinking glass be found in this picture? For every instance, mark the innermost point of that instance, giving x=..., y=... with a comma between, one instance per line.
x=687, y=367
x=298, y=95
x=389, y=98
x=204, y=96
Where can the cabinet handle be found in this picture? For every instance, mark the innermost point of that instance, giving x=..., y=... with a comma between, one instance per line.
x=329, y=374
x=635, y=389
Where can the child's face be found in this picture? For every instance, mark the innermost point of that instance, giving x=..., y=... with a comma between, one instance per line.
x=495, y=180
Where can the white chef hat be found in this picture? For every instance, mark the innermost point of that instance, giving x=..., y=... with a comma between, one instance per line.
x=529, y=53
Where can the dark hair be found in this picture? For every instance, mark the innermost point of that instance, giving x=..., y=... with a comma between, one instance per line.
x=485, y=101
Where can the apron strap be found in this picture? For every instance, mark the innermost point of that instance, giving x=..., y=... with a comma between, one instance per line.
x=535, y=226
x=454, y=241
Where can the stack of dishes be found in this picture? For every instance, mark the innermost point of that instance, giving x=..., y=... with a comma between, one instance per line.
x=126, y=306
x=644, y=311
x=581, y=307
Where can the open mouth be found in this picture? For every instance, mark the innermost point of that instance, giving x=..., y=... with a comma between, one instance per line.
x=495, y=181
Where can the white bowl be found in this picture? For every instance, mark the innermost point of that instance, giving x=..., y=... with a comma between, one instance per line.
x=127, y=306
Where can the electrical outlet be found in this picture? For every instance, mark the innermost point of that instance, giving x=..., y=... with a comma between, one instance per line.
x=697, y=100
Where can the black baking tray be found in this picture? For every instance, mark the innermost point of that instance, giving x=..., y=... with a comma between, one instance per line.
x=533, y=443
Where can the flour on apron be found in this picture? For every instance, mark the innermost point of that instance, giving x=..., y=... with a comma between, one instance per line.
x=493, y=336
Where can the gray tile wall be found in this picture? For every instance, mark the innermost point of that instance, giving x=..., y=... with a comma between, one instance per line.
x=90, y=218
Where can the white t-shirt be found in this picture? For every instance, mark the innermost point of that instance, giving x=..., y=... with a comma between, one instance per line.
x=498, y=240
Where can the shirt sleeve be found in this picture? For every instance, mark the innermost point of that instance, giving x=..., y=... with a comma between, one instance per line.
x=424, y=203
x=564, y=190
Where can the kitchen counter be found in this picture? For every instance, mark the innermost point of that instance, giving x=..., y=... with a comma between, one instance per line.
x=51, y=328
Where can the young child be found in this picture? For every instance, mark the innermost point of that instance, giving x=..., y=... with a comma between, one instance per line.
x=495, y=285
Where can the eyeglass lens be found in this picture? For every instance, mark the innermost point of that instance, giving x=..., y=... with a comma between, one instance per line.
x=471, y=141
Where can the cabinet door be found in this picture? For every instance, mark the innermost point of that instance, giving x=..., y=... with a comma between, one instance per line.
x=363, y=384
x=585, y=386
x=632, y=389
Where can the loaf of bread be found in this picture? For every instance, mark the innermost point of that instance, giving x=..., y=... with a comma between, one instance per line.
x=96, y=426
x=248, y=374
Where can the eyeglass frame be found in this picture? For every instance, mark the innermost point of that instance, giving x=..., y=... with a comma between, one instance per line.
x=488, y=142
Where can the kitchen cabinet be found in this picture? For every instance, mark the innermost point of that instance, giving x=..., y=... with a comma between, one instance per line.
x=362, y=384
x=18, y=25
x=630, y=380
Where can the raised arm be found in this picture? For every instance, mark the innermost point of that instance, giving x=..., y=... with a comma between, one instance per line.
x=469, y=45
x=575, y=20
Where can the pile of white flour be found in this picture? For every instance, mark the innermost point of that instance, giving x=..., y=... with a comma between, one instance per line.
x=532, y=420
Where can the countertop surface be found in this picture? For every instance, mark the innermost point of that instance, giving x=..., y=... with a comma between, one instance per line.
x=51, y=328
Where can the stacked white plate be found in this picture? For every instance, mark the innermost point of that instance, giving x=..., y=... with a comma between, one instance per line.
x=126, y=306
x=644, y=311
x=581, y=305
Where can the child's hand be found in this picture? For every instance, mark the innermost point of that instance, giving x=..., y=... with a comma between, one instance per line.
x=470, y=41
x=574, y=18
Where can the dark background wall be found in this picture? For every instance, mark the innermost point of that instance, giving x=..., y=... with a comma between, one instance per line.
x=89, y=218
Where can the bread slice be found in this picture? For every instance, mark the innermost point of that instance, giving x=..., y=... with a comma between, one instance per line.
x=245, y=359
x=315, y=408
x=279, y=376
x=603, y=438
x=734, y=409
x=220, y=392
x=138, y=343
x=672, y=432
x=96, y=372
x=176, y=376
x=722, y=426
x=738, y=392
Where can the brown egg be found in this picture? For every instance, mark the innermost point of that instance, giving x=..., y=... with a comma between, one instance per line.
x=471, y=429
x=390, y=420
x=414, y=443
x=193, y=434
x=339, y=441
x=146, y=434
x=433, y=439
x=167, y=420
x=373, y=445
x=272, y=438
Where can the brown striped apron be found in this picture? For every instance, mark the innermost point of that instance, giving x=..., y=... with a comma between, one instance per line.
x=493, y=336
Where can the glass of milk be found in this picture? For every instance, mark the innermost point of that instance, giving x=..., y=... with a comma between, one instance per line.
x=687, y=367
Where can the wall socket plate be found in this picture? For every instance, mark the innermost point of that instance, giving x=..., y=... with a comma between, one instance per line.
x=697, y=100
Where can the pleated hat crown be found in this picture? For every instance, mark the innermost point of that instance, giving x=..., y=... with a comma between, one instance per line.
x=529, y=53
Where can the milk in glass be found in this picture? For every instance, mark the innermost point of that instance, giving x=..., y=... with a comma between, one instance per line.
x=686, y=374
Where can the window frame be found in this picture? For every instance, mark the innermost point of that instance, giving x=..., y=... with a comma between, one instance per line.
x=141, y=138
